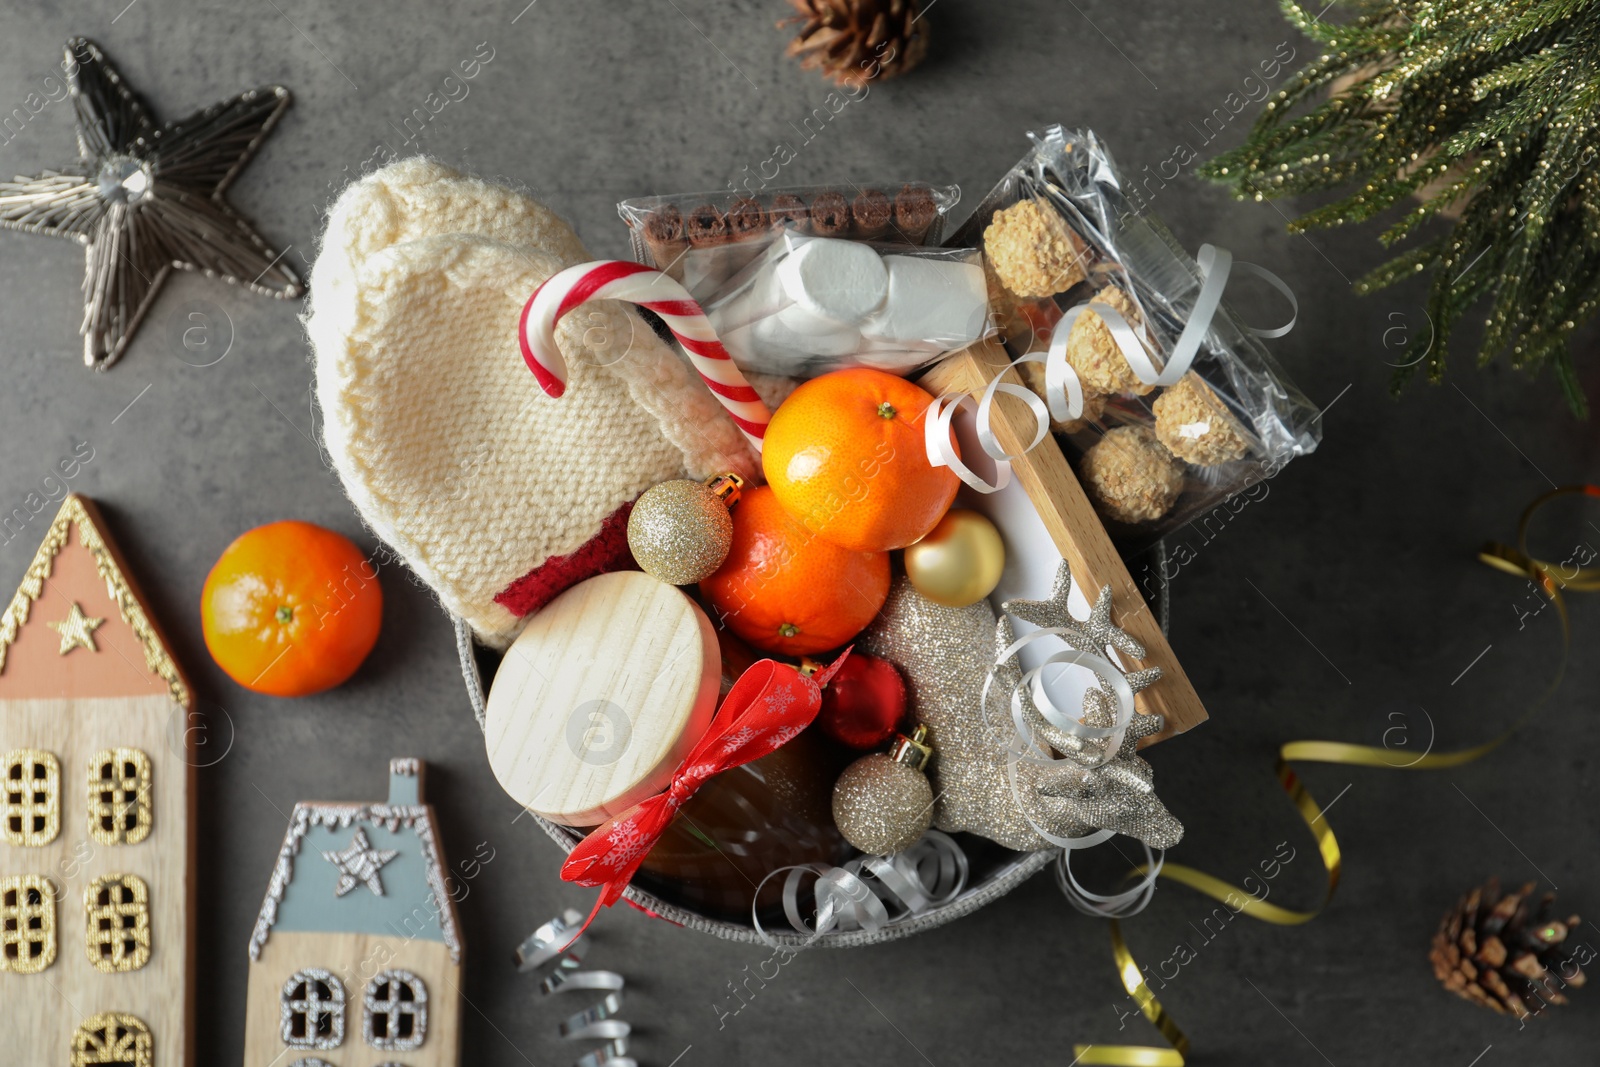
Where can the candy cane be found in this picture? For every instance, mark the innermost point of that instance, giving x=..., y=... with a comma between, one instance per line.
x=614, y=279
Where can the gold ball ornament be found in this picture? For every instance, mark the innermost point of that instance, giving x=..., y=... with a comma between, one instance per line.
x=883, y=802
x=959, y=561
x=679, y=531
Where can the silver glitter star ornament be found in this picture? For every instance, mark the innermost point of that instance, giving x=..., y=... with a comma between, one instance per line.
x=145, y=199
x=358, y=863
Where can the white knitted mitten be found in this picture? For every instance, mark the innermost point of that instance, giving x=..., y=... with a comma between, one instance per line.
x=443, y=439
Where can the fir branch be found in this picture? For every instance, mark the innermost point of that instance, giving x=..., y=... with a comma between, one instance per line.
x=1486, y=107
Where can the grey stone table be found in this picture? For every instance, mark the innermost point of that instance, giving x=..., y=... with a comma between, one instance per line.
x=1344, y=604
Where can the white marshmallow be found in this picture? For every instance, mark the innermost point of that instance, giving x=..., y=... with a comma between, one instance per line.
x=841, y=280
x=796, y=328
x=756, y=300
x=931, y=300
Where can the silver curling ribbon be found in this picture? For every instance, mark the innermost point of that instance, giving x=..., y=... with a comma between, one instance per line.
x=554, y=942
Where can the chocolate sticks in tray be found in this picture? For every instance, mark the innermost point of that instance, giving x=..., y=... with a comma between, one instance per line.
x=666, y=228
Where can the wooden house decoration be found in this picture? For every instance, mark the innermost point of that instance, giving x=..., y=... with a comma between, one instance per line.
x=356, y=957
x=96, y=814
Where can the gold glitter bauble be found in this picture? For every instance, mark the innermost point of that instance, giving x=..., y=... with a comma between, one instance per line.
x=959, y=561
x=882, y=806
x=679, y=531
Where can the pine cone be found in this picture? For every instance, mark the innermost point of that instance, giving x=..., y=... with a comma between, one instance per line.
x=1492, y=951
x=850, y=39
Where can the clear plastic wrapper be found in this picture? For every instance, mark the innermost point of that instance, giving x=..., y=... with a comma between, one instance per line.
x=808, y=305
x=1164, y=429
x=727, y=230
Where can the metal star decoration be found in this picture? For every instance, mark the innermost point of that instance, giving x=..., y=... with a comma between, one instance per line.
x=76, y=630
x=144, y=199
x=359, y=862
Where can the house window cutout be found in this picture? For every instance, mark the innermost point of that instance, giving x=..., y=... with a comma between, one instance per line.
x=313, y=1010
x=27, y=924
x=112, y=1039
x=117, y=926
x=394, y=1013
x=119, y=796
x=30, y=789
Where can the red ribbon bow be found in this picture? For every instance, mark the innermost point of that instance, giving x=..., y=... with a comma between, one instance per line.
x=769, y=704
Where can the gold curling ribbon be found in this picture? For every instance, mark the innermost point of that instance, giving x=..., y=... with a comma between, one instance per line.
x=1551, y=579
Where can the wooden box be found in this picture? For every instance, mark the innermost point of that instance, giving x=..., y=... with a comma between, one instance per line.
x=1044, y=517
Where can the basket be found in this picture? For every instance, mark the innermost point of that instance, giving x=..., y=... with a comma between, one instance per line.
x=995, y=881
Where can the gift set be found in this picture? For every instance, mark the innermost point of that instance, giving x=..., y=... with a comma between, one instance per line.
x=787, y=559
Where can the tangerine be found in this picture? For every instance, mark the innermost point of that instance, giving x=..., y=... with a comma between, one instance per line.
x=845, y=454
x=291, y=609
x=786, y=590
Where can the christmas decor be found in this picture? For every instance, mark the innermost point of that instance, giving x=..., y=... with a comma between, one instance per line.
x=344, y=963
x=768, y=707
x=851, y=41
x=985, y=781
x=864, y=703
x=143, y=199
x=97, y=728
x=960, y=560
x=615, y=279
x=1478, y=109
x=882, y=802
x=291, y=609
x=559, y=942
x=1506, y=952
x=358, y=863
x=1075, y=532
x=679, y=531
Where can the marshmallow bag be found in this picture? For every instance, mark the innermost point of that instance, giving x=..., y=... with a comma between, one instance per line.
x=495, y=495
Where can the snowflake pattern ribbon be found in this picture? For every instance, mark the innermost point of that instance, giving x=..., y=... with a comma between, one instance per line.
x=769, y=704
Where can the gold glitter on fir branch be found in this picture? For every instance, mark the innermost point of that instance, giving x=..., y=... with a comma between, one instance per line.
x=1485, y=111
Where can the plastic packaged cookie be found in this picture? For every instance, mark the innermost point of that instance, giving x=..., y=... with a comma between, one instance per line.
x=1171, y=424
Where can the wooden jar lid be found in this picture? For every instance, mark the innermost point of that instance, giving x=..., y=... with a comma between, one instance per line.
x=601, y=696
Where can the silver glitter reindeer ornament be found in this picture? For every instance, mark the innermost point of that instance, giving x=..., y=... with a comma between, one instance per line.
x=946, y=655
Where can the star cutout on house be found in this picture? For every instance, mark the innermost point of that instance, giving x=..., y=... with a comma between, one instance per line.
x=76, y=630
x=145, y=199
x=358, y=863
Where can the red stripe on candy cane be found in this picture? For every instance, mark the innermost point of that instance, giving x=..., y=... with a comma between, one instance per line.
x=620, y=280
x=552, y=385
x=589, y=285
x=680, y=308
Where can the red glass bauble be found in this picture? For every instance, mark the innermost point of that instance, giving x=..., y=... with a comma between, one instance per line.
x=863, y=704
